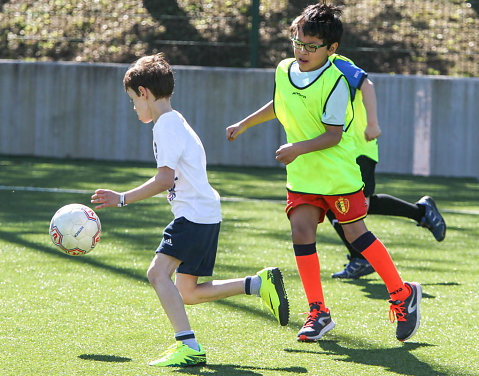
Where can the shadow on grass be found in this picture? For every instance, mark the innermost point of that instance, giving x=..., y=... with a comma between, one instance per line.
x=15, y=239
x=237, y=370
x=377, y=290
x=104, y=358
x=254, y=308
x=371, y=288
x=396, y=359
x=441, y=284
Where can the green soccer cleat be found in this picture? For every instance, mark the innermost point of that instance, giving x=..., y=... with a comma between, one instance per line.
x=273, y=294
x=180, y=355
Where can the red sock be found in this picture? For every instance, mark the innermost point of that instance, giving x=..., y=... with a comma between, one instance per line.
x=378, y=256
x=309, y=271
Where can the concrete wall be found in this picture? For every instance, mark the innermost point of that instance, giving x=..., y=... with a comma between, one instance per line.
x=429, y=125
x=69, y=110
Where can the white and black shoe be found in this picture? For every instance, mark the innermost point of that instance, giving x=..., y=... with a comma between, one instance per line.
x=317, y=324
x=406, y=312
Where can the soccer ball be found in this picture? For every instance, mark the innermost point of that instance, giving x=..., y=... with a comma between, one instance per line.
x=75, y=229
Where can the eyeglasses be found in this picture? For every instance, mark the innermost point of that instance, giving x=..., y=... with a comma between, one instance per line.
x=310, y=47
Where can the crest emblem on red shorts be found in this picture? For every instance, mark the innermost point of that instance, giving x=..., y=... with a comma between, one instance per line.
x=342, y=204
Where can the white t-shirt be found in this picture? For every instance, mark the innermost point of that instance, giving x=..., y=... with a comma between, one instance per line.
x=177, y=146
x=335, y=112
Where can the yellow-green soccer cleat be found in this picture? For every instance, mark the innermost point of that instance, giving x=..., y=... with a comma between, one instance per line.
x=180, y=355
x=273, y=294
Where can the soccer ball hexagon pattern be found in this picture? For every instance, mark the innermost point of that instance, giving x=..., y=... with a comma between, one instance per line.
x=75, y=229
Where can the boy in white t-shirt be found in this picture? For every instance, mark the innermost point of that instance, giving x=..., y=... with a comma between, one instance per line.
x=190, y=241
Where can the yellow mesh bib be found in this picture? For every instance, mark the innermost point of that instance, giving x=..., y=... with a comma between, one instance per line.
x=331, y=171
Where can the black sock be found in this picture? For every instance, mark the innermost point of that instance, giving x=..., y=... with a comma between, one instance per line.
x=187, y=337
x=339, y=230
x=383, y=204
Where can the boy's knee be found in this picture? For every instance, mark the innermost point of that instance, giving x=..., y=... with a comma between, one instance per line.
x=188, y=295
x=151, y=274
x=189, y=299
x=302, y=235
x=155, y=275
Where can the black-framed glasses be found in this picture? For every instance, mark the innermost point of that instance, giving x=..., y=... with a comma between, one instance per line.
x=310, y=47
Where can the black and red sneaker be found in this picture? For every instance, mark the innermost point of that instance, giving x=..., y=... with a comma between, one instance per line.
x=406, y=312
x=317, y=324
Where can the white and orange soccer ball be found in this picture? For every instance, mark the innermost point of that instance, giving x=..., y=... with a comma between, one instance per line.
x=75, y=229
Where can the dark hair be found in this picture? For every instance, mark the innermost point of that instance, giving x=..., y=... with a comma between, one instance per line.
x=320, y=20
x=152, y=72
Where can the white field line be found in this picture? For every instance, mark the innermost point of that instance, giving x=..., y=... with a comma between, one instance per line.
x=230, y=199
x=84, y=191
x=40, y=189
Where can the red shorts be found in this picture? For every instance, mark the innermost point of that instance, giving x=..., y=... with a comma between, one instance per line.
x=346, y=208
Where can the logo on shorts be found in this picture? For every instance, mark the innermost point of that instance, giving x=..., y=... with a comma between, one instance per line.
x=342, y=205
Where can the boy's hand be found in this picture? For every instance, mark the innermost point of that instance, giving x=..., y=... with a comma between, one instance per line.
x=372, y=132
x=106, y=198
x=234, y=131
x=287, y=153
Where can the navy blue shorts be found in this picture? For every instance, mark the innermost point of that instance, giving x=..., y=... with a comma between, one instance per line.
x=192, y=243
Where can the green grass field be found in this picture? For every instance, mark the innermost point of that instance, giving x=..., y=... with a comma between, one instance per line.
x=98, y=315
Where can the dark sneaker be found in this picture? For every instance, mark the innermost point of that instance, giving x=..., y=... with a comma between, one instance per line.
x=317, y=324
x=407, y=312
x=432, y=219
x=354, y=269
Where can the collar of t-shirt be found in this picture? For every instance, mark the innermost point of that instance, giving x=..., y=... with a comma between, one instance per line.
x=335, y=110
x=303, y=79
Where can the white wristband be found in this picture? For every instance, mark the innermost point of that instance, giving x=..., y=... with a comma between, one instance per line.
x=122, y=200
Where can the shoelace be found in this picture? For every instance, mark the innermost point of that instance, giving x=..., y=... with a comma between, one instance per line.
x=396, y=311
x=312, y=315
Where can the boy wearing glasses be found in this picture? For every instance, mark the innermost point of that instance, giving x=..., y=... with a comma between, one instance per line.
x=312, y=102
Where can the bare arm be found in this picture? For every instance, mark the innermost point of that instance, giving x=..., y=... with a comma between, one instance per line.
x=370, y=103
x=163, y=180
x=289, y=152
x=262, y=115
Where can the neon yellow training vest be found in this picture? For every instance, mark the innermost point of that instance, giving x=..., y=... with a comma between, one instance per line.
x=360, y=121
x=332, y=171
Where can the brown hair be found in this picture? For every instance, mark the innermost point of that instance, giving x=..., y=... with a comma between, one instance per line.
x=152, y=72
